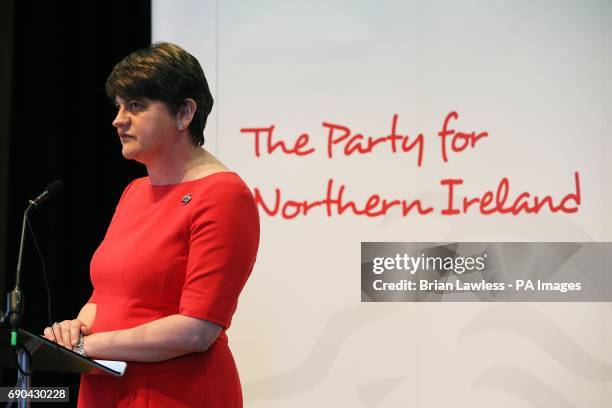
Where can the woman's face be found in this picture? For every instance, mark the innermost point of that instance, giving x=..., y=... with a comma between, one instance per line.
x=145, y=127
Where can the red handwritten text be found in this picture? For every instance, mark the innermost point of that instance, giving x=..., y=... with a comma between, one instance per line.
x=459, y=141
x=298, y=147
x=498, y=202
x=334, y=203
x=358, y=143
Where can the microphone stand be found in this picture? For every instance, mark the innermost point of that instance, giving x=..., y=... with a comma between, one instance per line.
x=15, y=300
x=14, y=312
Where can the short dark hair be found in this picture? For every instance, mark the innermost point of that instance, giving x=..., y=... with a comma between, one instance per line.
x=167, y=73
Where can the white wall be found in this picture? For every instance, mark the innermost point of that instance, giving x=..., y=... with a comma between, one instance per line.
x=535, y=75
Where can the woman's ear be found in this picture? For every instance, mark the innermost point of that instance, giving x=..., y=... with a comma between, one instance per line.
x=185, y=114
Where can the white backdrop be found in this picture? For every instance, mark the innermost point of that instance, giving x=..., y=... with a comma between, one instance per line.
x=535, y=75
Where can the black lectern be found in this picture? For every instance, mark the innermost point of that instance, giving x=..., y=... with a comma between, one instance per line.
x=37, y=353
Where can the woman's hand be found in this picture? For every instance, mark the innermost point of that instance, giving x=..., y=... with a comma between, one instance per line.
x=67, y=333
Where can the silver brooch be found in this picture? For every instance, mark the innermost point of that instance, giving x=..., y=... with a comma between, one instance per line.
x=186, y=199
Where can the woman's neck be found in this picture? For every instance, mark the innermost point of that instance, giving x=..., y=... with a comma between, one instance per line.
x=182, y=165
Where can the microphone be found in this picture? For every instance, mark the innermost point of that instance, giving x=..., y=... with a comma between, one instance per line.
x=15, y=299
x=50, y=191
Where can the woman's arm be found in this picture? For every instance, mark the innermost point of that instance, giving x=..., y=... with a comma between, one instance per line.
x=158, y=340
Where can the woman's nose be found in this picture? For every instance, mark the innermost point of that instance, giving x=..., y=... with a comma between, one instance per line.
x=121, y=120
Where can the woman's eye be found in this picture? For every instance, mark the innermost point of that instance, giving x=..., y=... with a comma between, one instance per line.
x=135, y=105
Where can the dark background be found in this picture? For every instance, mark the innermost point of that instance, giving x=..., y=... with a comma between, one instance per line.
x=55, y=122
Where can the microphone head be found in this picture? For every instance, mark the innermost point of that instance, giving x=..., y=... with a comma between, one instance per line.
x=50, y=191
x=54, y=187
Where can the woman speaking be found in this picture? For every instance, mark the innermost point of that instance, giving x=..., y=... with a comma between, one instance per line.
x=179, y=249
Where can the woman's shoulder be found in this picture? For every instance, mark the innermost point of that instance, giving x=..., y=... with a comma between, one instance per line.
x=222, y=195
x=133, y=185
x=222, y=183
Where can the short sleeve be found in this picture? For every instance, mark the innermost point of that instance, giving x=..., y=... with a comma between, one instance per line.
x=223, y=242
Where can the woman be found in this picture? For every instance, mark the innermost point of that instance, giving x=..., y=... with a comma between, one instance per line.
x=178, y=251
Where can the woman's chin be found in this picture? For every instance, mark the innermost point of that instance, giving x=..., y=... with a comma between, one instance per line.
x=128, y=152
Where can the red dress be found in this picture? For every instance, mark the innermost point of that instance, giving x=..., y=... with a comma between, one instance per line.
x=186, y=248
